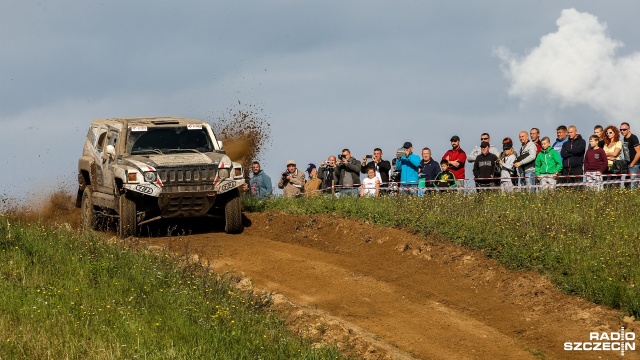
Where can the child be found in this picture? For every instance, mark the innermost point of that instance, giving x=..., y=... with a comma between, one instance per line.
x=595, y=164
x=445, y=179
x=548, y=165
x=371, y=185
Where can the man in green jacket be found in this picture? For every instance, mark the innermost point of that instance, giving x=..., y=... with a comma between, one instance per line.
x=548, y=165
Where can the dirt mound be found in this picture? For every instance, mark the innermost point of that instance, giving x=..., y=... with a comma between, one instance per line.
x=245, y=132
x=381, y=293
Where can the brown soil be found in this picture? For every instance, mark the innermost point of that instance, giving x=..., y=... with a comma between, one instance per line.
x=382, y=293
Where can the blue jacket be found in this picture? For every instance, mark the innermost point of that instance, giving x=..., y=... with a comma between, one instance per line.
x=409, y=167
x=260, y=185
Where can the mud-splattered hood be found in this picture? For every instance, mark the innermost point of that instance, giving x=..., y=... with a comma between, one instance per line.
x=177, y=160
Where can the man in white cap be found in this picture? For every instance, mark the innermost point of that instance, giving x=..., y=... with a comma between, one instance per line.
x=292, y=180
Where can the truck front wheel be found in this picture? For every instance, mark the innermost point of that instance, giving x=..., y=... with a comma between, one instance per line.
x=127, y=212
x=233, y=216
x=88, y=213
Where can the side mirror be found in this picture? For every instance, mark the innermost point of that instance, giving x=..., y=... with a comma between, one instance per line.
x=109, y=154
x=220, y=144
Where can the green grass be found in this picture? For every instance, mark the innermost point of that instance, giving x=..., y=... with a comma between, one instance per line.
x=65, y=296
x=586, y=242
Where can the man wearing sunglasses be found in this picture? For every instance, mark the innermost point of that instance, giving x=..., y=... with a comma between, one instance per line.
x=631, y=148
x=477, y=150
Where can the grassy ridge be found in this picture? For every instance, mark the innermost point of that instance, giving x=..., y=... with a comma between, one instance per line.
x=69, y=296
x=586, y=242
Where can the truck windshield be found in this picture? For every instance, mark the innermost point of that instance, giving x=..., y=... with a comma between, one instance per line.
x=168, y=139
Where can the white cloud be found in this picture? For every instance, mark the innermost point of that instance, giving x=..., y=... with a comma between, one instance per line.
x=577, y=65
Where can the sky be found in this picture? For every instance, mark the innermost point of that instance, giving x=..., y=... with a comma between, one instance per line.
x=326, y=75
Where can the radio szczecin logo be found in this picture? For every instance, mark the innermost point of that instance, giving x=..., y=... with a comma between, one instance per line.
x=605, y=341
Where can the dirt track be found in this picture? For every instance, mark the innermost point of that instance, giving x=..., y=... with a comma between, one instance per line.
x=384, y=293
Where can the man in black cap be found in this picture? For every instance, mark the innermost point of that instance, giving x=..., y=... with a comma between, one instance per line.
x=312, y=186
x=484, y=167
x=409, y=166
x=456, y=158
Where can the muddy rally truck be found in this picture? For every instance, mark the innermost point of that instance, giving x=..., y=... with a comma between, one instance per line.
x=137, y=170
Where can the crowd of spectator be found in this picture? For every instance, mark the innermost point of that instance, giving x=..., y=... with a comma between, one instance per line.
x=610, y=157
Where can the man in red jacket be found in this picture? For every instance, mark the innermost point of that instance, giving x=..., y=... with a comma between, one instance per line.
x=456, y=158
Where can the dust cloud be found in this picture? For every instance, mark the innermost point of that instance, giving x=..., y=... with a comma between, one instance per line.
x=56, y=208
x=245, y=133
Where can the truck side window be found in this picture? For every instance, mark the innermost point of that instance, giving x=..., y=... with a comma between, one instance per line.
x=100, y=144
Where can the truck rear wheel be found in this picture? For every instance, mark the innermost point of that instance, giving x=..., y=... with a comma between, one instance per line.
x=233, y=216
x=88, y=213
x=127, y=212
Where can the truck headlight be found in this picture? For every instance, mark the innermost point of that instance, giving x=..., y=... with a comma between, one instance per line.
x=223, y=174
x=150, y=176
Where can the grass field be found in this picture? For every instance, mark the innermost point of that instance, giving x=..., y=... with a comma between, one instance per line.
x=586, y=242
x=66, y=296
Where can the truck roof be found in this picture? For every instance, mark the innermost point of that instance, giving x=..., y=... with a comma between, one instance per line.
x=149, y=121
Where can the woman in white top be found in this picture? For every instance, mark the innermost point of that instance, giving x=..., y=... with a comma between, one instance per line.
x=371, y=185
x=506, y=160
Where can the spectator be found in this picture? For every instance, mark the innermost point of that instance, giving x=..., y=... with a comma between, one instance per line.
x=456, y=158
x=260, y=183
x=526, y=161
x=508, y=175
x=573, y=156
x=595, y=164
x=371, y=184
x=613, y=149
x=428, y=169
x=548, y=164
x=445, y=178
x=561, y=132
x=328, y=174
x=312, y=186
x=484, y=167
x=382, y=167
x=348, y=170
x=408, y=165
x=292, y=180
x=477, y=150
x=631, y=146
x=598, y=130
x=535, y=137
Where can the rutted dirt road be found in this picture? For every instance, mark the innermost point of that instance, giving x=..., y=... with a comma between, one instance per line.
x=384, y=293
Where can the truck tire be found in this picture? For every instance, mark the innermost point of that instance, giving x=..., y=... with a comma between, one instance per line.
x=233, y=216
x=88, y=213
x=127, y=212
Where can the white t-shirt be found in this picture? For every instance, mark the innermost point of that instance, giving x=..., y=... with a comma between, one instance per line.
x=369, y=185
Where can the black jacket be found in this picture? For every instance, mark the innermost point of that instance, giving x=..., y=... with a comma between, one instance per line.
x=484, y=168
x=572, y=152
x=383, y=167
x=429, y=170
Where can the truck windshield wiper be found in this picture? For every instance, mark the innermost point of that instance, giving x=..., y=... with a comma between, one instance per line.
x=146, y=151
x=183, y=150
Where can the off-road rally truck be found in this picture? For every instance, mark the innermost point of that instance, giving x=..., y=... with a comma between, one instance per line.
x=139, y=170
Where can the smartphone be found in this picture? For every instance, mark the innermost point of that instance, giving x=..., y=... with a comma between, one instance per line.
x=369, y=157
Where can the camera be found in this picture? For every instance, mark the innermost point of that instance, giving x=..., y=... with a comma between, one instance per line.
x=400, y=152
x=284, y=175
x=369, y=157
x=342, y=157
